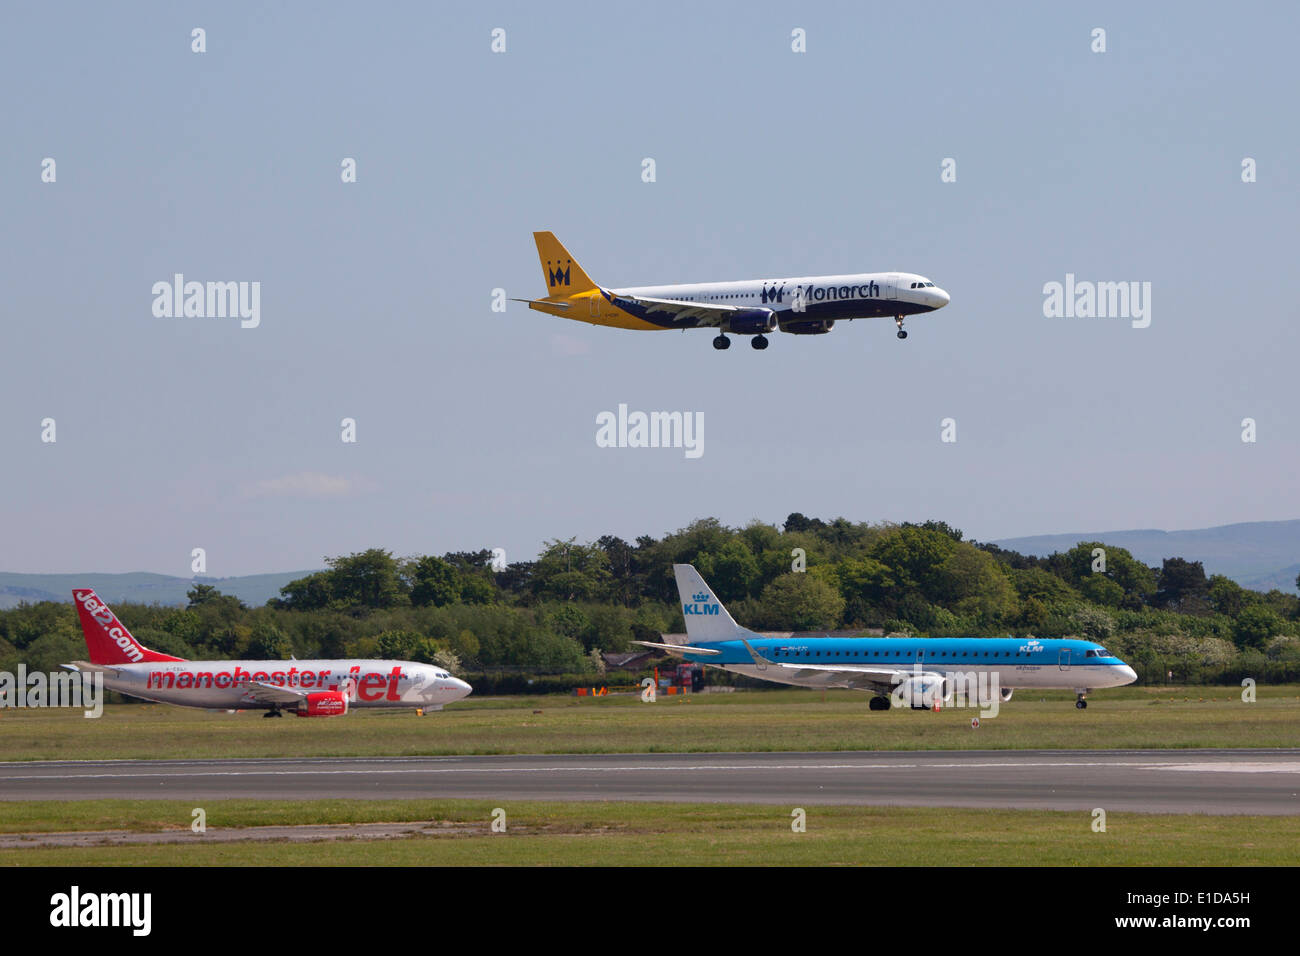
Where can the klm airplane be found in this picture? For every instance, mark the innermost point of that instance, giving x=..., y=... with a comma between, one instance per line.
x=807, y=305
x=918, y=672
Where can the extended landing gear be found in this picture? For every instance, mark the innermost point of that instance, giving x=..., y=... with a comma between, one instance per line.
x=759, y=342
x=273, y=712
x=879, y=703
x=722, y=342
x=1081, y=701
x=902, y=332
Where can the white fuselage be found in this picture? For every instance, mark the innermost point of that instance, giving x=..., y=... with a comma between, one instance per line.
x=223, y=684
x=861, y=295
x=1014, y=676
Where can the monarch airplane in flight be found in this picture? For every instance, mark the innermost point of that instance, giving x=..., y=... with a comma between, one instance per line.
x=304, y=688
x=804, y=305
x=919, y=672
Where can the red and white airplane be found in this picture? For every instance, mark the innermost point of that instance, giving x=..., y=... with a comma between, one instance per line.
x=304, y=688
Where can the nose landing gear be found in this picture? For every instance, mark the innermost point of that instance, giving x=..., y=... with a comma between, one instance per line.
x=902, y=332
x=1081, y=700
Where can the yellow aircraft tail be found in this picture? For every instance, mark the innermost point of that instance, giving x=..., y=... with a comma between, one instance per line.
x=563, y=274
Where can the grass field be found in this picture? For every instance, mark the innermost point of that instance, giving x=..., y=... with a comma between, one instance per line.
x=756, y=721
x=662, y=834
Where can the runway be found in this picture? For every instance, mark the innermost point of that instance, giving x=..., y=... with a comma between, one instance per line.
x=1147, y=781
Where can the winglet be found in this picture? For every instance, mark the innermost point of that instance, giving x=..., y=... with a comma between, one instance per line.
x=760, y=661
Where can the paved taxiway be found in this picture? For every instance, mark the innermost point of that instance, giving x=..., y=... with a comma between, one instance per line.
x=1152, y=781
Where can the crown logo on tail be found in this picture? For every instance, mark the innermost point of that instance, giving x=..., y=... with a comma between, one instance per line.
x=558, y=276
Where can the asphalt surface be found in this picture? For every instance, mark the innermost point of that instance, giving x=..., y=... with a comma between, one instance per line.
x=1149, y=781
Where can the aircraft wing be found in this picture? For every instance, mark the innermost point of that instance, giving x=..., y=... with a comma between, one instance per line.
x=264, y=693
x=704, y=314
x=880, y=678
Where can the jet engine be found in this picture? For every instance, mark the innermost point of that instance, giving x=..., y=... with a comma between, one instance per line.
x=324, y=703
x=749, y=322
x=921, y=691
x=809, y=327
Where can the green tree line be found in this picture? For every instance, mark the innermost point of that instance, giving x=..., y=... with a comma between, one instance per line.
x=556, y=614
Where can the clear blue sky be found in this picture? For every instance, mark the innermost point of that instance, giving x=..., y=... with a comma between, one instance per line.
x=477, y=429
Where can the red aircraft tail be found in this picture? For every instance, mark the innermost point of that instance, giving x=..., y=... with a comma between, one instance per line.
x=107, y=639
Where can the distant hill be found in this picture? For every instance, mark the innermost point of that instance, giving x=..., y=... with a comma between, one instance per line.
x=138, y=587
x=1258, y=554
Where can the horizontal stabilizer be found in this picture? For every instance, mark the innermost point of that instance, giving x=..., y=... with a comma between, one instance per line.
x=546, y=302
x=679, y=650
x=85, y=667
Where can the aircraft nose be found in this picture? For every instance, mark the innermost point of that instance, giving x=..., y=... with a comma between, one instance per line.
x=1128, y=673
x=942, y=296
x=464, y=689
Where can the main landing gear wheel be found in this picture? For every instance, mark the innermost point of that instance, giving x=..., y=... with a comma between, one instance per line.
x=902, y=333
x=759, y=342
x=879, y=703
x=722, y=342
x=273, y=712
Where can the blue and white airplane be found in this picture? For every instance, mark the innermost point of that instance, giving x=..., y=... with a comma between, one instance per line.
x=919, y=672
x=802, y=305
